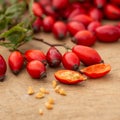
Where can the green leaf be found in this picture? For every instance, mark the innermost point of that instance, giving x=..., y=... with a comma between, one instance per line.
x=15, y=10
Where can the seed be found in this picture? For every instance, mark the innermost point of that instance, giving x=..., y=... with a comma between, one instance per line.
x=62, y=92
x=57, y=88
x=39, y=95
x=40, y=111
x=43, y=90
x=30, y=90
x=54, y=84
x=48, y=106
x=51, y=101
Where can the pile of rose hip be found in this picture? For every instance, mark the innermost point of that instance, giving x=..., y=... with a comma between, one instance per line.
x=35, y=61
x=79, y=19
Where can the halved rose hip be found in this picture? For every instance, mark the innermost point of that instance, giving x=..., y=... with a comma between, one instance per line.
x=69, y=76
x=97, y=70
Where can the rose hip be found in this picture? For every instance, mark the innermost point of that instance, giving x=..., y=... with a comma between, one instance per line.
x=53, y=57
x=37, y=9
x=59, y=4
x=37, y=24
x=70, y=61
x=16, y=62
x=96, y=14
x=112, y=12
x=82, y=18
x=48, y=23
x=97, y=70
x=3, y=68
x=31, y=55
x=74, y=27
x=87, y=55
x=59, y=30
x=36, y=69
x=84, y=37
x=100, y=3
x=93, y=25
x=107, y=33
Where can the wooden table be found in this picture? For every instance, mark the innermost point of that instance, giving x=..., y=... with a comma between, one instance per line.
x=91, y=100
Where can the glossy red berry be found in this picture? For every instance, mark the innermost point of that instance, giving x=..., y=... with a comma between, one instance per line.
x=84, y=37
x=59, y=4
x=48, y=23
x=100, y=3
x=96, y=14
x=37, y=9
x=93, y=25
x=31, y=55
x=82, y=18
x=54, y=57
x=112, y=12
x=74, y=27
x=108, y=33
x=16, y=62
x=59, y=30
x=3, y=68
x=36, y=69
x=37, y=24
x=70, y=61
x=87, y=55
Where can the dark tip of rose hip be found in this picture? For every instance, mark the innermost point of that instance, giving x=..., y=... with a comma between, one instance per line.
x=73, y=40
x=16, y=72
x=55, y=63
x=61, y=36
x=36, y=29
x=75, y=67
x=44, y=62
x=44, y=74
x=2, y=78
x=102, y=61
x=100, y=6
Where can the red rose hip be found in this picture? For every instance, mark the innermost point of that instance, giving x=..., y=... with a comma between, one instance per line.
x=108, y=33
x=35, y=55
x=70, y=61
x=84, y=37
x=16, y=62
x=74, y=27
x=3, y=68
x=36, y=69
x=87, y=55
x=60, y=30
x=53, y=57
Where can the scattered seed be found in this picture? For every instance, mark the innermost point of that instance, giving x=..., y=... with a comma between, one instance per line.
x=51, y=101
x=57, y=88
x=48, y=106
x=62, y=92
x=39, y=95
x=43, y=90
x=40, y=111
x=54, y=84
x=30, y=90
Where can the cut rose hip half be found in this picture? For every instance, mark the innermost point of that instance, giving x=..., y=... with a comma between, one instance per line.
x=97, y=70
x=69, y=76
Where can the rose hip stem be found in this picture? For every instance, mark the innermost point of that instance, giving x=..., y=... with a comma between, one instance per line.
x=41, y=40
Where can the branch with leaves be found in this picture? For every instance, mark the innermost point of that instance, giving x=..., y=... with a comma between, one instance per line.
x=15, y=25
